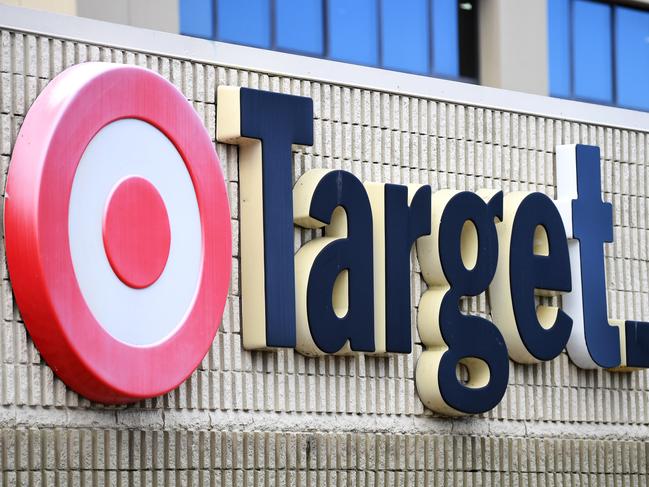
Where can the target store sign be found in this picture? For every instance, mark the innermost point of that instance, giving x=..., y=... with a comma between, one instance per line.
x=118, y=238
x=117, y=232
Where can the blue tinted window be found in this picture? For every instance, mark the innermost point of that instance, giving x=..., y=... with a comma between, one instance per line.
x=299, y=25
x=353, y=31
x=559, y=47
x=446, y=59
x=592, y=50
x=197, y=18
x=404, y=38
x=632, y=55
x=244, y=21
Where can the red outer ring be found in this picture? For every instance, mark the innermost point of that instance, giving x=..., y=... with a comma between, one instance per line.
x=57, y=129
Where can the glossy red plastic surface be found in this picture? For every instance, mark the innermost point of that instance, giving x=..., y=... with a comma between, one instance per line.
x=136, y=232
x=57, y=129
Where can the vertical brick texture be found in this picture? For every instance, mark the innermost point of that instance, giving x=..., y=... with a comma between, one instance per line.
x=267, y=418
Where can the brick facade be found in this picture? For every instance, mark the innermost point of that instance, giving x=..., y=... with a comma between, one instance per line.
x=278, y=417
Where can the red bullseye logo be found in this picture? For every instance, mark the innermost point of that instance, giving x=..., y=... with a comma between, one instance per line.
x=117, y=229
x=136, y=232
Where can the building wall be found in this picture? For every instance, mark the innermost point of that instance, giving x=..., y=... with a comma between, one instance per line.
x=514, y=45
x=150, y=14
x=68, y=7
x=280, y=417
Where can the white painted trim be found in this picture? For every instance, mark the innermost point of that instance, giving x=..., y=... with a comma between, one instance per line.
x=223, y=54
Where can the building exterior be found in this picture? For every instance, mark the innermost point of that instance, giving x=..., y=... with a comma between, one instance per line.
x=590, y=50
x=278, y=417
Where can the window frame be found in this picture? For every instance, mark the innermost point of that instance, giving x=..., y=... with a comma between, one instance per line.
x=613, y=47
x=273, y=46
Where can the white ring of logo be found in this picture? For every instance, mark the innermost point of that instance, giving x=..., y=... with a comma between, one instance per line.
x=138, y=317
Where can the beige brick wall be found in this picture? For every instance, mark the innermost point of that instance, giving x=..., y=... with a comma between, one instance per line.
x=249, y=418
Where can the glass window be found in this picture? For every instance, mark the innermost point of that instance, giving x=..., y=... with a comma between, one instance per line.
x=404, y=39
x=592, y=51
x=632, y=57
x=353, y=31
x=299, y=26
x=416, y=36
x=559, y=47
x=197, y=18
x=244, y=22
x=445, y=38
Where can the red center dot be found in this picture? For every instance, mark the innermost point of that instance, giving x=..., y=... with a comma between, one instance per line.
x=136, y=232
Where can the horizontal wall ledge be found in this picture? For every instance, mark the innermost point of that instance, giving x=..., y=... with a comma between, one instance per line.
x=322, y=70
x=293, y=422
